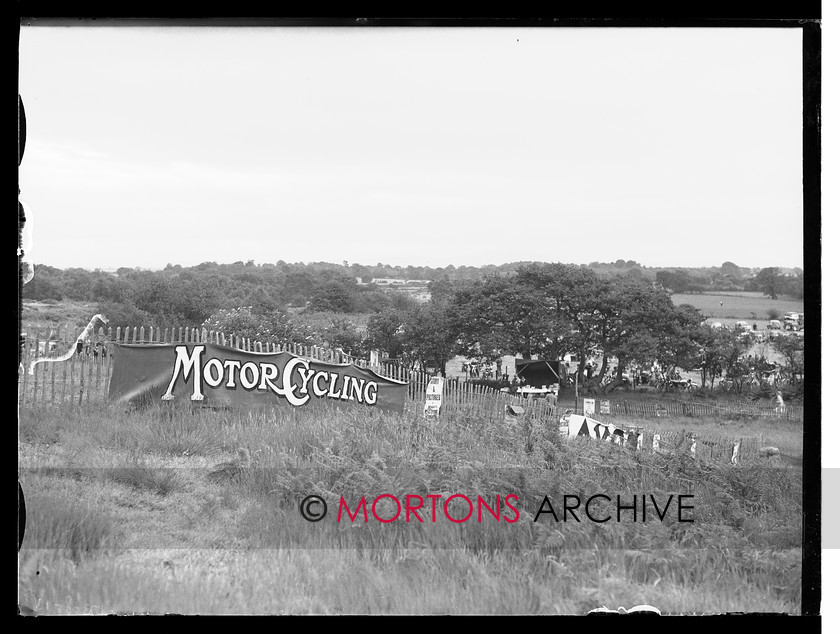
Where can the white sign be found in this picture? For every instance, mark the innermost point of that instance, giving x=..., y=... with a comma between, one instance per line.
x=605, y=406
x=589, y=407
x=434, y=396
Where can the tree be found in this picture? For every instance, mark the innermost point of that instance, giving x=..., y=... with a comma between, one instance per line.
x=639, y=323
x=333, y=296
x=769, y=282
x=680, y=281
x=719, y=350
x=571, y=308
x=499, y=315
x=792, y=349
x=731, y=269
x=41, y=287
x=343, y=334
x=270, y=327
x=385, y=332
x=430, y=337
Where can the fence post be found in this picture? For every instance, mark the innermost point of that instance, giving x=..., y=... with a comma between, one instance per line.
x=72, y=393
x=35, y=375
x=52, y=382
x=87, y=362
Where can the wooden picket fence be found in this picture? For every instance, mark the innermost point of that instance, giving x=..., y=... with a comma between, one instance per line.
x=85, y=377
x=661, y=408
x=707, y=447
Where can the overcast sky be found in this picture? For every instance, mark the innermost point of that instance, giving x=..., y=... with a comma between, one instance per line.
x=671, y=147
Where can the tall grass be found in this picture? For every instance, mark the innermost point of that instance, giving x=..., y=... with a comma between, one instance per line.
x=741, y=552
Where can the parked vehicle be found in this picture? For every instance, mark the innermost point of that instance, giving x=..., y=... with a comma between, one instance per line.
x=794, y=321
x=742, y=326
x=774, y=324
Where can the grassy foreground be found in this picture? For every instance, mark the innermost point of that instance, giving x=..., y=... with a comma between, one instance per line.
x=122, y=517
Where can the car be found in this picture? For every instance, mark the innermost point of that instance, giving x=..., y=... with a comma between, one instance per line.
x=794, y=321
x=774, y=324
x=742, y=326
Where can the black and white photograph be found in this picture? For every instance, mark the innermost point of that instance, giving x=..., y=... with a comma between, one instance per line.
x=382, y=318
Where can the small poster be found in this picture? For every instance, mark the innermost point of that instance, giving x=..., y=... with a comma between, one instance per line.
x=589, y=407
x=605, y=406
x=434, y=396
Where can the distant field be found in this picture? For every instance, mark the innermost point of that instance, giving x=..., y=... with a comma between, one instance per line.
x=52, y=315
x=752, y=307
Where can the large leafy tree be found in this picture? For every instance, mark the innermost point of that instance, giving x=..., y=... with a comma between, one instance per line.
x=769, y=282
x=678, y=341
x=792, y=349
x=497, y=316
x=430, y=337
x=719, y=351
x=385, y=332
x=332, y=296
x=637, y=322
x=422, y=336
x=571, y=307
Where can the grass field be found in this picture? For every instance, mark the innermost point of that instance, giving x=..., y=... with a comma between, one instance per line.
x=737, y=306
x=52, y=315
x=122, y=517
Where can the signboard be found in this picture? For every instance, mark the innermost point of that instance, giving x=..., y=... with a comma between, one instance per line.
x=434, y=396
x=589, y=407
x=631, y=437
x=585, y=426
x=605, y=406
x=221, y=376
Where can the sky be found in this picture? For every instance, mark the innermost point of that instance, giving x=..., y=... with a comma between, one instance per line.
x=411, y=146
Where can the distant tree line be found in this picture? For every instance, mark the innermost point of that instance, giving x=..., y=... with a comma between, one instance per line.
x=187, y=292
x=548, y=311
x=536, y=310
x=769, y=281
x=543, y=311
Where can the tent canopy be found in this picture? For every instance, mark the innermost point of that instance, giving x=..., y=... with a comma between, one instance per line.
x=533, y=372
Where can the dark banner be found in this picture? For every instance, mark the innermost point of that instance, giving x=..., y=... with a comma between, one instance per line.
x=219, y=376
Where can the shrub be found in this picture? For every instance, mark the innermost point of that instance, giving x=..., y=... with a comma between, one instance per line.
x=267, y=327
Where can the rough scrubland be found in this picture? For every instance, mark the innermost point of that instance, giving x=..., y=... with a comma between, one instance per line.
x=122, y=517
